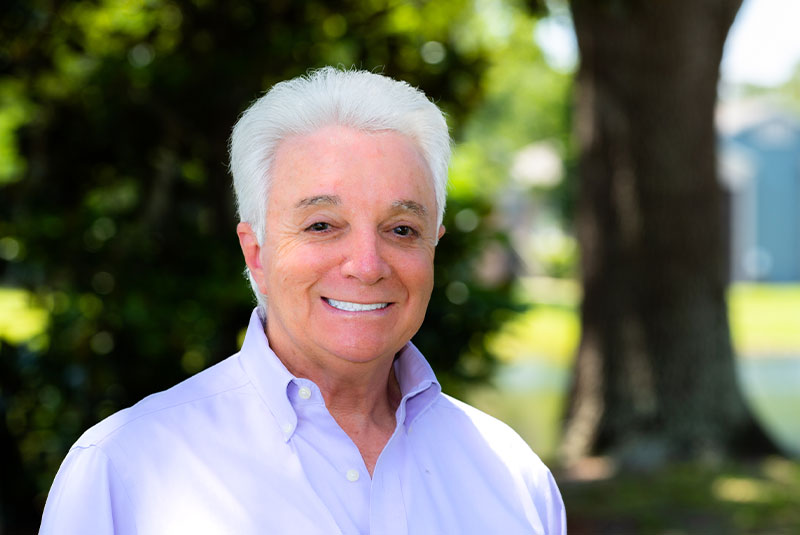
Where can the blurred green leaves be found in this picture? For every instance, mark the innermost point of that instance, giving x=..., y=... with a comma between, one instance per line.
x=15, y=111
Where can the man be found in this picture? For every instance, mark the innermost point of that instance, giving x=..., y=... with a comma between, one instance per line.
x=328, y=420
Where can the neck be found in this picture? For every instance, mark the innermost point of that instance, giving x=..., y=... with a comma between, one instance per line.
x=363, y=391
x=361, y=396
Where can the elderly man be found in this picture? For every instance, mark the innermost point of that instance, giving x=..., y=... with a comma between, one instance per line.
x=328, y=420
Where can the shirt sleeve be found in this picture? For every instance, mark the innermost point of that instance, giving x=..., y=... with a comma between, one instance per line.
x=87, y=496
x=544, y=493
x=556, y=520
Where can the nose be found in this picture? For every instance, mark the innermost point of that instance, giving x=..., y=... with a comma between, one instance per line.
x=364, y=258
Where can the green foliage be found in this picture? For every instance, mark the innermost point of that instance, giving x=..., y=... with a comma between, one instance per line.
x=524, y=101
x=116, y=213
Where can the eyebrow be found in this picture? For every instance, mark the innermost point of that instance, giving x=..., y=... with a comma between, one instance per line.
x=411, y=206
x=318, y=199
x=407, y=205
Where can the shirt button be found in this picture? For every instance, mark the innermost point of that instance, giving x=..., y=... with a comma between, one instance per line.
x=287, y=428
x=352, y=475
x=304, y=392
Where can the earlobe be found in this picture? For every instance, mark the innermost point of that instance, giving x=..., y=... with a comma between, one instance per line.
x=441, y=232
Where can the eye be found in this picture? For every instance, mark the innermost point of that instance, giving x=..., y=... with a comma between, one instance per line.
x=404, y=231
x=318, y=227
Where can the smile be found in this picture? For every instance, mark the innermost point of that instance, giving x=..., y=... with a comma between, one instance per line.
x=354, y=307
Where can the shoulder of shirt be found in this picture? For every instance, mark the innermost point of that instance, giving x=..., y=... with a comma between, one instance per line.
x=222, y=377
x=465, y=423
x=502, y=436
x=475, y=415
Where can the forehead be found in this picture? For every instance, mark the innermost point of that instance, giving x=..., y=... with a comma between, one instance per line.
x=342, y=162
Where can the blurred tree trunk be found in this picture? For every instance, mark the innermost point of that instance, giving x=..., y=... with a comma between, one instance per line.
x=655, y=377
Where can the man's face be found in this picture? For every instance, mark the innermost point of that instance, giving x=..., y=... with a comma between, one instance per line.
x=347, y=259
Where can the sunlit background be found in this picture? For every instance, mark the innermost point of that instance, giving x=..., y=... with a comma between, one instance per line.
x=515, y=152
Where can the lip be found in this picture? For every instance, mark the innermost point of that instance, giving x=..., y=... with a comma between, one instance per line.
x=386, y=306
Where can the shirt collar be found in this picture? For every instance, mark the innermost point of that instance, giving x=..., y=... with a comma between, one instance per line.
x=418, y=384
x=268, y=374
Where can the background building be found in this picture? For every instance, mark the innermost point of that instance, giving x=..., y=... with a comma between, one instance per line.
x=760, y=166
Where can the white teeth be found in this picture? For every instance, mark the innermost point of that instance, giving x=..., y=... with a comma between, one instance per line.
x=355, y=307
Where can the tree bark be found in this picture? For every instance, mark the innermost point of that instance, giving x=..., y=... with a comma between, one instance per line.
x=655, y=376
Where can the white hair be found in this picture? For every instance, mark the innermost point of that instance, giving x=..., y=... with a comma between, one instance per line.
x=328, y=96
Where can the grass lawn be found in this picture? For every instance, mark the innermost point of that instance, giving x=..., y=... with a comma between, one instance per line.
x=758, y=498
x=764, y=319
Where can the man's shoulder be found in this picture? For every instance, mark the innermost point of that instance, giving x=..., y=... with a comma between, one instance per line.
x=465, y=415
x=488, y=450
x=201, y=388
x=466, y=424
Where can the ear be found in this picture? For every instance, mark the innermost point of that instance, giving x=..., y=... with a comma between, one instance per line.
x=441, y=232
x=252, y=253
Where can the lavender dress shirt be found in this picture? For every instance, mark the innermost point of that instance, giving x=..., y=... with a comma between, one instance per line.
x=246, y=448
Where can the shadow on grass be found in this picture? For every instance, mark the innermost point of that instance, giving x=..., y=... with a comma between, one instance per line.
x=747, y=498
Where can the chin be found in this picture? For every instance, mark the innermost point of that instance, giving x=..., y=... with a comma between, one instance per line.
x=362, y=350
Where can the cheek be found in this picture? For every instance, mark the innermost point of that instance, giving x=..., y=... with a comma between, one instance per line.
x=292, y=267
x=417, y=274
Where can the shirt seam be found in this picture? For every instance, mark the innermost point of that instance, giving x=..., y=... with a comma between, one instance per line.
x=113, y=467
x=101, y=439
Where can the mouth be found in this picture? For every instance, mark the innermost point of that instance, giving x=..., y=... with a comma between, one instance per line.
x=347, y=306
